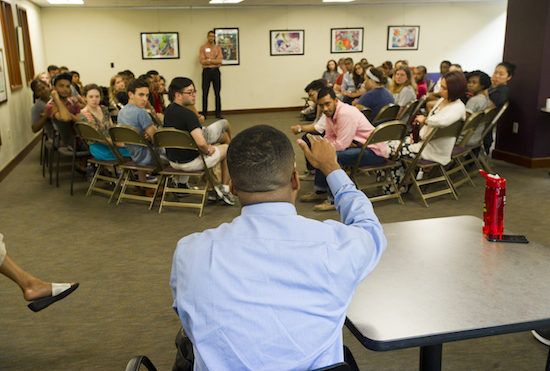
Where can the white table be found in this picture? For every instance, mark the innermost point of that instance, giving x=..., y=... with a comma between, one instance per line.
x=440, y=280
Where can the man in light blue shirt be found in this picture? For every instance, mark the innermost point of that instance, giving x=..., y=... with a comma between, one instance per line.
x=270, y=290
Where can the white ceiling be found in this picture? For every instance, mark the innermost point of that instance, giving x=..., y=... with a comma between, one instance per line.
x=245, y=3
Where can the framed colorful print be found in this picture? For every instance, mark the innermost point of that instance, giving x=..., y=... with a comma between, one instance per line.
x=228, y=40
x=403, y=37
x=160, y=45
x=346, y=40
x=3, y=91
x=287, y=42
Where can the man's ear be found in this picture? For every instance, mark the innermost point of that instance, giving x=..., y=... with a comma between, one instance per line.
x=295, y=181
x=232, y=189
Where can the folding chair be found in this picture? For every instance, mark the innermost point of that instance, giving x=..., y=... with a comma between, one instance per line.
x=393, y=130
x=483, y=155
x=367, y=111
x=459, y=159
x=49, y=132
x=171, y=138
x=411, y=110
x=386, y=113
x=452, y=130
x=70, y=140
x=135, y=363
x=87, y=131
x=129, y=135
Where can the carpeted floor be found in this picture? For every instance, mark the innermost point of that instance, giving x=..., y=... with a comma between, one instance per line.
x=122, y=256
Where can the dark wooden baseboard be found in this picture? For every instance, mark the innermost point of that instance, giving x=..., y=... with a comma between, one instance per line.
x=528, y=162
x=256, y=110
x=13, y=163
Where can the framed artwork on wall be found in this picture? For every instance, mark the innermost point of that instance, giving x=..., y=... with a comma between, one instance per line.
x=3, y=91
x=346, y=40
x=228, y=40
x=160, y=45
x=287, y=42
x=403, y=37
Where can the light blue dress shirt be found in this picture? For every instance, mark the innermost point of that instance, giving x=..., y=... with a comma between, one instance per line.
x=270, y=290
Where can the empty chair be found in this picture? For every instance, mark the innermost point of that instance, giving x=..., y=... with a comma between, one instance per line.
x=387, y=113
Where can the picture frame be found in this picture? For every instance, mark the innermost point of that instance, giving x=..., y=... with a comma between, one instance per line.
x=228, y=40
x=160, y=45
x=3, y=89
x=346, y=40
x=286, y=42
x=403, y=37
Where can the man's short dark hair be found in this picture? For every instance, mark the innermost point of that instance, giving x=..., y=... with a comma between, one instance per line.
x=177, y=85
x=484, y=79
x=326, y=91
x=211, y=31
x=349, y=60
x=446, y=62
x=316, y=85
x=126, y=73
x=422, y=68
x=152, y=73
x=52, y=67
x=136, y=84
x=260, y=159
x=62, y=76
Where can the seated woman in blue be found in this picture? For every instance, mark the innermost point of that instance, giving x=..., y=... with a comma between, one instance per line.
x=377, y=96
x=99, y=116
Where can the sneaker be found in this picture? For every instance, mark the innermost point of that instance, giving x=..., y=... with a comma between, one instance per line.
x=542, y=335
x=307, y=177
x=212, y=196
x=314, y=196
x=226, y=197
x=151, y=179
x=307, y=110
x=325, y=206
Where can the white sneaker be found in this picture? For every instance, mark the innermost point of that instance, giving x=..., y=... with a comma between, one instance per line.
x=226, y=197
x=307, y=110
x=151, y=179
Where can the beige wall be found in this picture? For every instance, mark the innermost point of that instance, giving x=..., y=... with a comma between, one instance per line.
x=470, y=34
x=15, y=115
x=88, y=40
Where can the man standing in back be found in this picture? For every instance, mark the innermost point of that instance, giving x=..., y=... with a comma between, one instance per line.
x=210, y=57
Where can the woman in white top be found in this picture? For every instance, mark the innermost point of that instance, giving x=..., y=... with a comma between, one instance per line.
x=403, y=87
x=448, y=110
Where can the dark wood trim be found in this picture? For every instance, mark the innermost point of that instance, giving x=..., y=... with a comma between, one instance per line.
x=13, y=163
x=531, y=163
x=257, y=110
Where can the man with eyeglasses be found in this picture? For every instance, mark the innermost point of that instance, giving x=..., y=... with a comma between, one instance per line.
x=212, y=140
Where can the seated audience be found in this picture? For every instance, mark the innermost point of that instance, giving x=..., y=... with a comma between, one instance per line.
x=448, y=110
x=153, y=96
x=62, y=107
x=388, y=69
x=44, y=76
x=403, y=87
x=338, y=84
x=270, y=290
x=134, y=114
x=499, y=92
x=100, y=117
x=331, y=74
x=377, y=96
x=478, y=83
x=52, y=71
x=127, y=76
x=63, y=69
x=358, y=80
x=116, y=85
x=419, y=74
x=347, y=129
x=42, y=294
x=348, y=85
x=76, y=82
x=161, y=92
x=455, y=67
x=317, y=127
x=444, y=67
x=212, y=140
x=38, y=112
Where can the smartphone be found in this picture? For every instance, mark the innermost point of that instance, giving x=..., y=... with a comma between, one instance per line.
x=508, y=238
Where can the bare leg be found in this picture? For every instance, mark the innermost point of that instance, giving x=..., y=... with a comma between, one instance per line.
x=223, y=162
x=32, y=287
x=142, y=176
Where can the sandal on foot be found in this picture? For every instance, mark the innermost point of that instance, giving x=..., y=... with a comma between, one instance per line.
x=59, y=291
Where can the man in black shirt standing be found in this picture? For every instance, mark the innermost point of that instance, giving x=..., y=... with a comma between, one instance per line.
x=212, y=140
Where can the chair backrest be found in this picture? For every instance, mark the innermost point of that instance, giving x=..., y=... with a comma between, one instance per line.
x=87, y=131
x=130, y=135
x=168, y=137
x=408, y=110
x=471, y=124
x=393, y=130
x=367, y=111
x=495, y=113
x=386, y=113
x=155, y=119
x=65, y=131
x=419, y=104
x=49, y=129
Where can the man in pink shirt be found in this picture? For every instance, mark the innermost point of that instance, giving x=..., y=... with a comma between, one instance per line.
x=347, y=129
x=210, y=57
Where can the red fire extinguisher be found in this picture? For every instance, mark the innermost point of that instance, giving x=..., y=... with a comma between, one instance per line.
x=493, y=208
